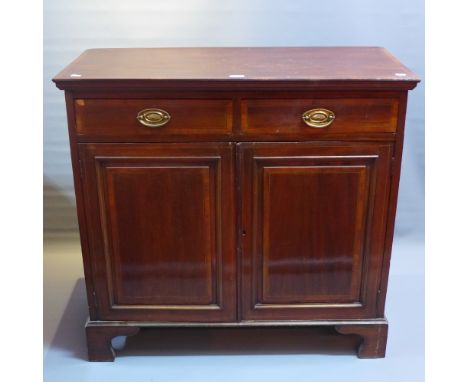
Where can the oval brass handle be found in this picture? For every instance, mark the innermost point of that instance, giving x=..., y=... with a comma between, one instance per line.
x=153, y=117
x=318, y=118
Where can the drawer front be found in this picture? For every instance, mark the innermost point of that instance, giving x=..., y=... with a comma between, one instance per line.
x=118, y=119
x=328, y=116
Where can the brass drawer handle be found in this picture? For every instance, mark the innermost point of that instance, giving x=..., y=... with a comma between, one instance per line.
x=318, y=118
x=153, y=117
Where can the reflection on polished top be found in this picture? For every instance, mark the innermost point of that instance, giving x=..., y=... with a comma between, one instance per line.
x=237, y=65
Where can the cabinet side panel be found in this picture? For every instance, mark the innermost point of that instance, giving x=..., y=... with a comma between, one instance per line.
x=393, y=200
x=80, y=206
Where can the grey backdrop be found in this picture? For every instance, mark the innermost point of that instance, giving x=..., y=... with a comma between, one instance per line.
x=73, y=26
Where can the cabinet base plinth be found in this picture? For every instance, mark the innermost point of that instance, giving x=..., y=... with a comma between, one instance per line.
x=99, y=340
x=373, y=332
x=373, y=338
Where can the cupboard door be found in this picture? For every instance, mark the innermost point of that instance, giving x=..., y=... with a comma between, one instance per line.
x=313, y=227
x=162, y=230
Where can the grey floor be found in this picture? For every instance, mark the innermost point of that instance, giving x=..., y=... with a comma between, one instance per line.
x=224, y=355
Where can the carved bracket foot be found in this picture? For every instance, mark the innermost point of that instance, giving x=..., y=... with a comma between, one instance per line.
x=99, y=340
x=374, y=338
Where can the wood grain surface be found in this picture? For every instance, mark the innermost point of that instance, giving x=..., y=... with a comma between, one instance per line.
x=150, y=66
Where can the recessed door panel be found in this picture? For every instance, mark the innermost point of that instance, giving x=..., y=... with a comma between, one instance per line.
x=310, y=252
x=161, y=233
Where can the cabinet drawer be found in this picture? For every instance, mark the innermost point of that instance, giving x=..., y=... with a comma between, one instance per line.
x=146, y=119
x=349, y=115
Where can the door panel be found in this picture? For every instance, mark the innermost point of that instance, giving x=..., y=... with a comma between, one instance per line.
x=305, y=256
x=163, y=242
x=166, y=211
x=312, y=229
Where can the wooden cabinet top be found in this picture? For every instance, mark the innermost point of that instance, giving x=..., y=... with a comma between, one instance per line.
x=243, y=68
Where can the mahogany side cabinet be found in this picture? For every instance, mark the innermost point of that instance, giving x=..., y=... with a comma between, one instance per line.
x=236, y=187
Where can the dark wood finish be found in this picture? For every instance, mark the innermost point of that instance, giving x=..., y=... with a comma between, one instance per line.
x=373, y=333
x=312, y=234
x=353, y=115
x=239, y=324
x=115, y=120
x=373, y=338
x=81, y=214
x=99, y=340
x=359, y=119
x=236, y=213
x=392, y=204
x=187, y=67
x=164, y=232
